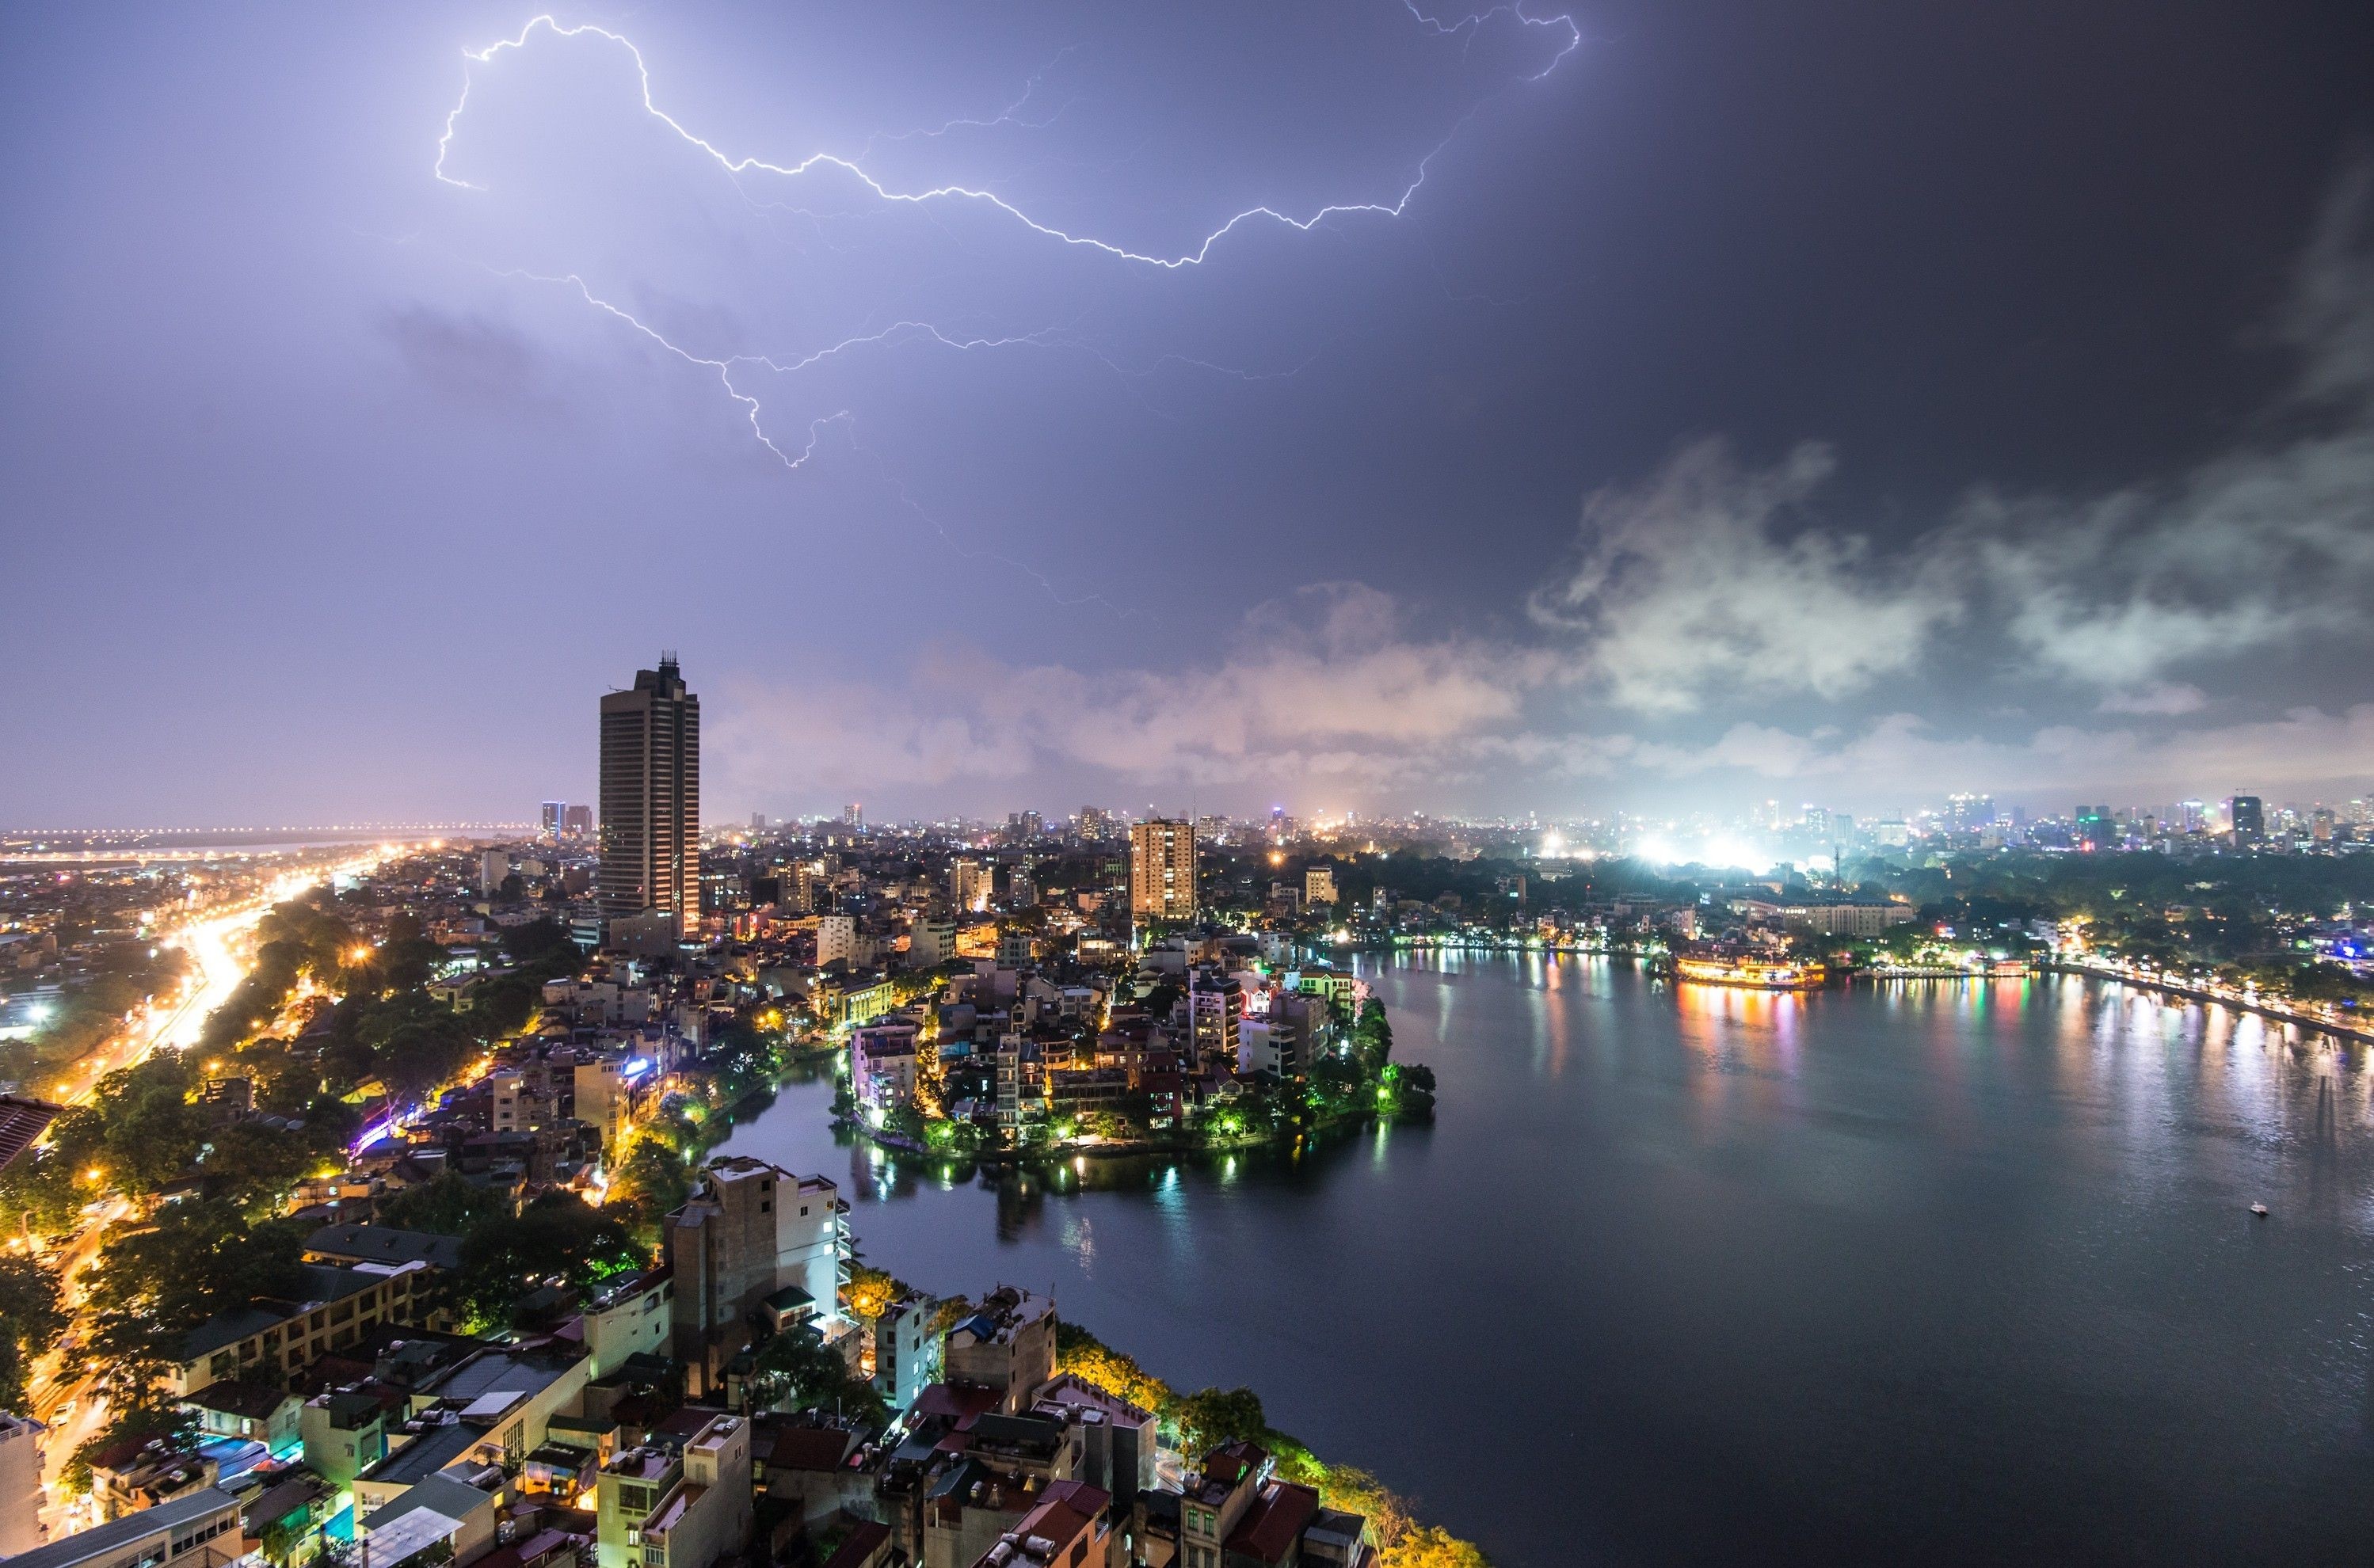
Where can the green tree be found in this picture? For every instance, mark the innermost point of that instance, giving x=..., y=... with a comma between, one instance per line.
x=796, y=1371
x=557, y=1240
x=149, y=1288
x=255, y=1166
x=447, y=1205
x=651, y=1181
x=30, y=1321
x=1213, y=1417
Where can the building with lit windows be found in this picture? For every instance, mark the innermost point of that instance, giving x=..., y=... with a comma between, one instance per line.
x=651, y=796
x=1162, y=869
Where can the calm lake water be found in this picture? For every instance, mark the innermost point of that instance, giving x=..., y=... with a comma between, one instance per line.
x=1943, y=1271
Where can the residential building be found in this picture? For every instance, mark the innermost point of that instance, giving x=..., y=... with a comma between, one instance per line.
x=750, y=1232
x=442, y=1518
x=705, y=1516
x=968, y=884
x=345, y=1432
x=1319, y=885
x=884, y=1061
x=931, y=942
x=631, y=1318
x=907, y=1354
x=1162, y=869
x=1006, y=1347
x=200, y=1530
x=651, y=796
x=20, y=1483
x=663, y=1507
x=270, y=1337
x=836, y=940
x=1070, y=1527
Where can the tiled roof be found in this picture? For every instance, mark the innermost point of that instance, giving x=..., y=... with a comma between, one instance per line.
x=1270, y=1529
x=21, y=1121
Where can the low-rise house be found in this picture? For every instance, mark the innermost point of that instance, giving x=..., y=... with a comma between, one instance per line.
x=344, y=1433
x=1117, y=1438
x=1070, y=1527
x=1008, y=1346
x=139, y=1473
x=668, y=1507
x=510, y=1396
x=287, y=1517
x=441, y=1518
x=257, y=1412
x=629, y=1318
x=808, y=1468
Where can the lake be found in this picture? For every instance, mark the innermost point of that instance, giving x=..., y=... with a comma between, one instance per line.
x=1957, y=1270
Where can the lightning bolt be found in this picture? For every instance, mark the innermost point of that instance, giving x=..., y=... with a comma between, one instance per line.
x=724, y=367
x=737, y=167
x=1006, y=116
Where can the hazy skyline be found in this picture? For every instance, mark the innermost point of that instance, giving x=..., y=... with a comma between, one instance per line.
x=1833, y=403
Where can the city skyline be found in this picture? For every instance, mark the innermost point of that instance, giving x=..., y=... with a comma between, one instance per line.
x=1581, y=410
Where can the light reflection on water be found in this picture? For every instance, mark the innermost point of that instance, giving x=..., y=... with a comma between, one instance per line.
x=1956, y=1270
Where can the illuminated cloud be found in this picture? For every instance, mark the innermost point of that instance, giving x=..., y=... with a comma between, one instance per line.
x=1696, y=586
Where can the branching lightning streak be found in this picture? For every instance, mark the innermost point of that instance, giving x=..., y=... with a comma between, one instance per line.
x=1474, y=23
x=1471, y=25
x=738, y=167
x=1006, y=116
x=725, y=368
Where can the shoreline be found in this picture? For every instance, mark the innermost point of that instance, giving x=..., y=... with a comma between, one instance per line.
x=1057, y=1155
x=2210, y=998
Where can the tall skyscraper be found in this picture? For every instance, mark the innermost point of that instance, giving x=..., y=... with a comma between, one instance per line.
x=1162, y=869
x=651, y=796
x=576, y=822
x=550, y=828
x=2246, y=818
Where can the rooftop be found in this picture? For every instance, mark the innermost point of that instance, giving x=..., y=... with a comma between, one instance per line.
x=380, y=1244
x=101, y=1540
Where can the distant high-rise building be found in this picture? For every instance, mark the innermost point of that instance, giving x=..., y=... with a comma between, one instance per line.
x=576, y=822
x=969, y=882
x=853, y=815
x=1162, y=869
x=651, y=796
x=1318, y=885
x=1024, y=826
x=555, y=812
x=1967, y=813
x=1096, y=823
x=2246, y=818
x=758, y=822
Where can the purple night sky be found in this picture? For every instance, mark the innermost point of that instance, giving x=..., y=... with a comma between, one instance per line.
x=1683, y=405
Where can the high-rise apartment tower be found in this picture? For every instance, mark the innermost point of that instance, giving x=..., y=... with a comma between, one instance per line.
x=651, y=796
x=1162, y=869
